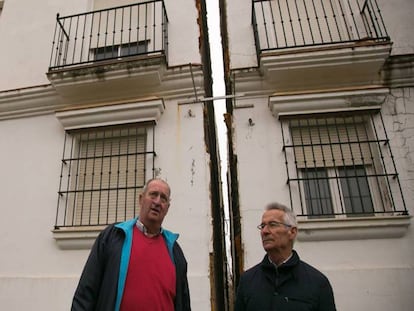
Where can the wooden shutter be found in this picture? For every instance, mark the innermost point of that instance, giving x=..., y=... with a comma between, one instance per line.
x=331, y=145
x=109, y=170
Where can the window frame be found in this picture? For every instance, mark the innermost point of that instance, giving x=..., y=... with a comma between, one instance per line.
x=334, y=184
x=116, y=51
x=77, y=177
x=102, y=115
x=294, y=176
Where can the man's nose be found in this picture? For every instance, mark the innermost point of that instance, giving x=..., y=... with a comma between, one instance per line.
x=265, y=230
x=156, y=199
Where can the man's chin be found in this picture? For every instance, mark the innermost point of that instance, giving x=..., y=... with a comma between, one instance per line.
x=266, y=246
x=154, y=213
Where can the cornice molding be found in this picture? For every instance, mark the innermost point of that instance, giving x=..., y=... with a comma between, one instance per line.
x=180, y=82
x=281, y=105
x=31, y=101
x=131, y=112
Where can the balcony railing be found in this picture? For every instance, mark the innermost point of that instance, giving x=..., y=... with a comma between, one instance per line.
x=114, y=33
x=282, y=24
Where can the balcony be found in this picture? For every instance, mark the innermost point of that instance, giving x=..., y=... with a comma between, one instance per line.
x=115, y=52
x=313, y=44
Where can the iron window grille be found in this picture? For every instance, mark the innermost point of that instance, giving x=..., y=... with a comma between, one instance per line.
x=341, y=165
x=102, y=174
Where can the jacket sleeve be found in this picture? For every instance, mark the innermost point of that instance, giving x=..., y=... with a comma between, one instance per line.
x=182, y=302
x=87, y=291
x=327, y=301
x=239, y=303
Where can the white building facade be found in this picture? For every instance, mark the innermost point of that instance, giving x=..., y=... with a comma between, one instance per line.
x=96, y=97
x=321, y=119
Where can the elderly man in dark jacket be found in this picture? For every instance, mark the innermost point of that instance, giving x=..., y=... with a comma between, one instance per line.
x=281, y=281
x=137, y=264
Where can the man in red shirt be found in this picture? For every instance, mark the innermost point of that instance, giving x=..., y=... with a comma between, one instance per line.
x=137, y=264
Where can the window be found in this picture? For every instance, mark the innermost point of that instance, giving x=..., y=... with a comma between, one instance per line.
x=103, y=172
x=122, y=27
x=341, y=165
x=317, y=194
x=123, y=50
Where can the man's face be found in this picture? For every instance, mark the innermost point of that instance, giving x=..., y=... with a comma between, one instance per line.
x=154, y=203
x=276, y=236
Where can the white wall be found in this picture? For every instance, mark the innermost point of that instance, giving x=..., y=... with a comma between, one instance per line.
x=32, y=266
x=377, y=273
x=26, y=34
x=27, y=28
x=34, y=273
x=398, y=19
x=397, y=15
x=184, y=164
x=242, y=49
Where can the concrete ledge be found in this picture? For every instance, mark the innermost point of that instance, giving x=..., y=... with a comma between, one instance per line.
x=386, y=227
x=283, y=105
x=76, y=237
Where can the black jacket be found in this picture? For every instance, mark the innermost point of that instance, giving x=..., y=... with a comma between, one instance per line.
x=102, y=281
x=294, y=285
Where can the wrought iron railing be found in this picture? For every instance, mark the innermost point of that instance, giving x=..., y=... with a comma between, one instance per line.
x=114, y=33
x=282, y=24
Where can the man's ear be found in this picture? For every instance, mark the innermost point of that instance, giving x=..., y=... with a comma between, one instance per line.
x=294, y=232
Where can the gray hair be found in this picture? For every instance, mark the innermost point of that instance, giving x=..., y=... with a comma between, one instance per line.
x=144, y=189
x=289, y=217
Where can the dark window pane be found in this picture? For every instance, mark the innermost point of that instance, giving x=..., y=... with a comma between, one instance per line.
x=106, y=52
x=134, y=48
x=355, y=191
x=317, y=193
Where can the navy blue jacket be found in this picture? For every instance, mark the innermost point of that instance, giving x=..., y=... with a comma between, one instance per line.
x=103, y=278
x=295, y=285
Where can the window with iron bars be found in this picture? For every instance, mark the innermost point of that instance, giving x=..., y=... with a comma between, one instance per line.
x=341, y=165
x=103, y=172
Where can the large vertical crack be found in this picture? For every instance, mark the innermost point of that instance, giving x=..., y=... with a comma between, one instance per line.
x=218, y=258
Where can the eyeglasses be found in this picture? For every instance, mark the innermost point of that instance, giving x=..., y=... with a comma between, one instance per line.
x=163, y=198
x=273, y=225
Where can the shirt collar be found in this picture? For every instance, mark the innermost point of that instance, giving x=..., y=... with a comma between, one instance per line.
x=285, y=261
x=141, y=227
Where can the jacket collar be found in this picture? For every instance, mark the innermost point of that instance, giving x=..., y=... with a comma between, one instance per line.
x=288, y=265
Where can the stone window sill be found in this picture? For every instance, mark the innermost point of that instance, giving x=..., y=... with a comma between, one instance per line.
x=386, y=227
x=76, y=237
